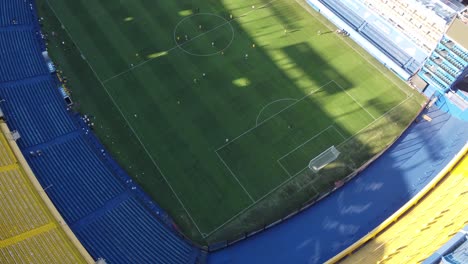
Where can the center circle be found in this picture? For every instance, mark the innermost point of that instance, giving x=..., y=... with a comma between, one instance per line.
x=203, y=34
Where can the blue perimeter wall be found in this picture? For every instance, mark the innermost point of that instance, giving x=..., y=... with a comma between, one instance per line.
x=330, y=226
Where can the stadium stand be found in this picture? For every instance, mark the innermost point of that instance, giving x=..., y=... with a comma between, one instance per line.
x=345, y=13
x=424, y=22
x=15, y=12
x=35, y=99
x=115, y=220
x=340, y=219
x=20, y=48
x=366, y=21
x=111, y=216
x=81, y=182
x=445, y=71
x=390, y=48
x=29, y=233
x=425, y=227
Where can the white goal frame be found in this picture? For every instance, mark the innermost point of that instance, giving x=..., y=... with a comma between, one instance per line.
x=323, y=159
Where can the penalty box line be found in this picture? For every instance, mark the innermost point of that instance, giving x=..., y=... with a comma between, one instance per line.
x=273, y=116
x=354, y=99
x=378, y=118
x=251, y=129
x=235, y=177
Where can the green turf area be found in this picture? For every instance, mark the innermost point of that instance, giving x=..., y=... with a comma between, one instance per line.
x=217, y=117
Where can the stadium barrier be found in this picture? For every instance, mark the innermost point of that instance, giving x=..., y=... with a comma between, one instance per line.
x=223, y=244
x=410, y=204
x=38, y=188
x=376, y=52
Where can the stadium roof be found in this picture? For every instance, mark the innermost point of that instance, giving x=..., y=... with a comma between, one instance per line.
x=458, y=31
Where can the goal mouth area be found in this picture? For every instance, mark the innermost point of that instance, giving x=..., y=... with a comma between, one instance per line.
x=323, y=159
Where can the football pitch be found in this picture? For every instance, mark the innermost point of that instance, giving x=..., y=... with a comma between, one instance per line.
x=217, y=107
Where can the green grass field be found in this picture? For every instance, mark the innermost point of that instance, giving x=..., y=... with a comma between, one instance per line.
x=218, y=118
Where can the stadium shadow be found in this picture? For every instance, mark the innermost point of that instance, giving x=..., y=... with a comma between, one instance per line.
x=287, y=197
x=321, y=70
x=341, y=225
x=316, y=233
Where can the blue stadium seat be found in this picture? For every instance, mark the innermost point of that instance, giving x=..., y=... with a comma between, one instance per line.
x=343, y=12
x=385, y=45
x=112, y=216
x=15, y=12
x=36, y=110
x=20, y=55
x=130, y=234
x=80, y=183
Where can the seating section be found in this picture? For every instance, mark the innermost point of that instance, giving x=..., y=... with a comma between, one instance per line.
x=28, y=232
x=36, y=110
x=111, y=215
x=20, y=211
x=20, y=54
x=15, y=12
x=356, y=20
x=426, y=227
x=138, y=238
x=44, y=248
x=344, y=13
x=418, y=22
x=80, y=183
x=386, y=46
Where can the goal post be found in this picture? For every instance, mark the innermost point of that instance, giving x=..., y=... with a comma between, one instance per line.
x=323, y=159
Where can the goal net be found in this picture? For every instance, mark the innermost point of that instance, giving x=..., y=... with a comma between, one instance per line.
x=323, y=159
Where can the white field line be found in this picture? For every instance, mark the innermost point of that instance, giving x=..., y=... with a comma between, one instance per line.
x=251, y=205
x=293, y=176
x=281, y=165
x=305, y=142
x=235, y=177
x=128, y=123
x=282, y=110
x=336, y=129
x=270, y=103
x=306, y=7
x=354, y=99
x=380, y=117
x=188, y=41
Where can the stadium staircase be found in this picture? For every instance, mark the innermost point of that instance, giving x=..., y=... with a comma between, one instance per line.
x=111, y=216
